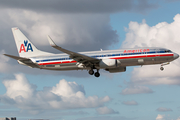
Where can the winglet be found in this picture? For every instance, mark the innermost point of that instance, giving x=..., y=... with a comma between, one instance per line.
x=51, y=42
x=71, y=54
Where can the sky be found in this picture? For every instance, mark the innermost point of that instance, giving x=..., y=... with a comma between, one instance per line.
x=140, y=93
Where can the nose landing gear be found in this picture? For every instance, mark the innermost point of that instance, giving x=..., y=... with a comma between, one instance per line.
x=162, y=68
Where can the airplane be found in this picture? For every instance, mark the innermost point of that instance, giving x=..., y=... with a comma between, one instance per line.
x=109, y=60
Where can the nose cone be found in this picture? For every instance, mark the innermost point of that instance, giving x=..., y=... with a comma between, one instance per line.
x=176, y=55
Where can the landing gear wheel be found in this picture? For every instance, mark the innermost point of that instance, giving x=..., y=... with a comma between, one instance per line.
x=91, y=72
x=161, y=68
x=97, y=74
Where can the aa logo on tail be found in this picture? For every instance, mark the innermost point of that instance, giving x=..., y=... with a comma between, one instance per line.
x=25, y=47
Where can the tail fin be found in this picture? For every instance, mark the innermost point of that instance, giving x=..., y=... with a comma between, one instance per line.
x=25, y=47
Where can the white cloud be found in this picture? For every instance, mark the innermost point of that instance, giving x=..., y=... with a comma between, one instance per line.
x=68, y=89
x=164, y=35
x=163, y=109
x=106, y=110
x=18, y=87
x=163, y=117
x=136, y=90
x=130, y=102
x=160, y=117
x=65, y=95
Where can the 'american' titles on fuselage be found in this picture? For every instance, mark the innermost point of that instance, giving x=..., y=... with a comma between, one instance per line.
x=110, y=60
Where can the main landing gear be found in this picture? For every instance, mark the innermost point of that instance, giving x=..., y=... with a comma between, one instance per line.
x=91, y=72
x=162, y=68
x=96, y=74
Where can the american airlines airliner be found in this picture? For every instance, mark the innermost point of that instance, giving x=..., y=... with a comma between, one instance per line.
x=109, y=60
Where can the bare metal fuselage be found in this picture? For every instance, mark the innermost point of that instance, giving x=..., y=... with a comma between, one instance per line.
x=126, y=57
x=110, y=60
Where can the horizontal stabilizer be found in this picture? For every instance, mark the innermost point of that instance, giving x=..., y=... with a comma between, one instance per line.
x=23, y=61
x=16, y=57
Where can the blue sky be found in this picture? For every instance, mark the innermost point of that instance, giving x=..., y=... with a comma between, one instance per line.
x=140, y=93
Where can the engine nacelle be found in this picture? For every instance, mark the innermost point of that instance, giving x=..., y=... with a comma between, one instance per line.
x=118, y=69
x=109, y=63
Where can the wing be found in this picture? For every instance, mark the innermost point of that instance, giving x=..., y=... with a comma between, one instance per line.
x=86, y=60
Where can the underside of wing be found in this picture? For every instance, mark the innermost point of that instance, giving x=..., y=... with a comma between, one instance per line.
x=87, y=60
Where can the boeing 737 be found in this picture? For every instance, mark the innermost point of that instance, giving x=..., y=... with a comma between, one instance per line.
x=109, y=60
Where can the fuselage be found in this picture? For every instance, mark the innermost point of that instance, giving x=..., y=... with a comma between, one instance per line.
x=125, y=57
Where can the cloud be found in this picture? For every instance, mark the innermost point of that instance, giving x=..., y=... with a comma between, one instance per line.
x=84, y=31
x=163, y=109
x=136, y=90
x=80, y=6
x=164, y=35
x=105, y=110
x=19, y=87
x=130, y=102
x=160, y=117
x=163, y=117
x=65, y=95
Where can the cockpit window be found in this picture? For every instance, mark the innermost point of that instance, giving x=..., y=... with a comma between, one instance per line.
x=168, y=51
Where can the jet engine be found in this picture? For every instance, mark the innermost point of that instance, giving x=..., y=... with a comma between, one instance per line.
x=109, y=63
x=118, y=69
